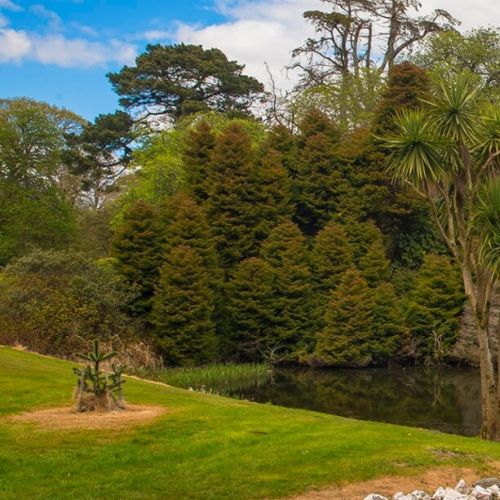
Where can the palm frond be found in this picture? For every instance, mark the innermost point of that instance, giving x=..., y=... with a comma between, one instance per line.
x=454, y=107
x=487, y=224
x=416, y=152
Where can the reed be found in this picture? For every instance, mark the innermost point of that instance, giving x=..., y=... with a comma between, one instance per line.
x=215, y=378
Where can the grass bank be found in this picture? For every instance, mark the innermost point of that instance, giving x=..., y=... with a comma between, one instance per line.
x=205, y=446
x=217, y=378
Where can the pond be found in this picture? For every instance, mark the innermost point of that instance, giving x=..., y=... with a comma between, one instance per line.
x=446, y=398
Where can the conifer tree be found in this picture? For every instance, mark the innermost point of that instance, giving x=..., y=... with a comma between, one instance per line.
x=286, y=251
x=319, y=185
x=185, y=223
x=199, y=146
x=434, y=308
x=250, y=309
x=346, y=339
x=231, y=207
x=273, y=192
x=407, y=86
x=137, y=248
x=361, y=235
x=388, y=329
x=331, y=256
x=374, y=265
x=183, y=309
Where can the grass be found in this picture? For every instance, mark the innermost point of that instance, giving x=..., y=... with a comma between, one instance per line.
x=217, y=378
x=206, y=446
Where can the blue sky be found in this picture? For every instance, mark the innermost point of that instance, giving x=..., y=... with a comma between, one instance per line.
x=61, y=50
x=122, y=25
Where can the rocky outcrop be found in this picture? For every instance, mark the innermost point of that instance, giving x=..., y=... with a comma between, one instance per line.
x=466, y=349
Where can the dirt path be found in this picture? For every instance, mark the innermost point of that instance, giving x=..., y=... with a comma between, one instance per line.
x=428, y=481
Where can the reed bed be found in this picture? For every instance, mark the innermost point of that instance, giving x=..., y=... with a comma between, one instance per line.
x=216, y=378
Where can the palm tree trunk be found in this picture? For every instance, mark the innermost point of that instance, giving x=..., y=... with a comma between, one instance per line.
x=489, y=395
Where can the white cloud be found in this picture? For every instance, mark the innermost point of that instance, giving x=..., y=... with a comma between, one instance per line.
x=3, y=21
x=68, y=53
x=257, y=33
x=16, y=46
x=472, y=13
x=155, y=35
x=260, y=31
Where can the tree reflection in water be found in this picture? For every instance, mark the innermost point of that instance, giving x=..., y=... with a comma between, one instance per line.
x=444, y=398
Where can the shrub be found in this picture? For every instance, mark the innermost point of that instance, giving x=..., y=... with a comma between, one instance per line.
x=57, y=302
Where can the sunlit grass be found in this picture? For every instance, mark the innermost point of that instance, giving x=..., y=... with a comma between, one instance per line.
x=204, y=446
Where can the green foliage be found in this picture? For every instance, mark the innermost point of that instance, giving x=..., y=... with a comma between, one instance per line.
x=407, y=85
x=347, y=338
x=184, y=222
x=318, y=184
x=137, y=248
x=69, y=301
x=331, y=256
x=231, y=206
x=285, y=250
x=434, y=308
x=451, y=52
x=183, y=309
x=200, y=143
x=178, y=80
x=363, y=326
x=351, y=101
x=160, y=172
x=35, y=206
x=374, y=265
x=250, y=309
x=95, y=389
x=213, y=378
x=487, y=224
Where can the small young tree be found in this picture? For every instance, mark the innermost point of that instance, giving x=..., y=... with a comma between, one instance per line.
x=97, y=390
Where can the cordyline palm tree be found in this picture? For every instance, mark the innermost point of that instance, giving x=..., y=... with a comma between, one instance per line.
x=449, y=152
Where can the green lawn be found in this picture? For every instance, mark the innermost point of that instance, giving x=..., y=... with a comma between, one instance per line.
x=205, y=447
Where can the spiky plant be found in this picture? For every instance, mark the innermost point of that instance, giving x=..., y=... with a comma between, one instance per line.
x=449, y=152
x=96, y=389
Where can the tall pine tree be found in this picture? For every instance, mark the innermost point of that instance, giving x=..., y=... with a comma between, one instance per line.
x=250, y=310
x=320, y=187
x=185, y=223
x=231, y=207
x=137, y=249
x=434, y=308
x=346, y=339
x=286, y=251
x=198, y=149
x=183, y=309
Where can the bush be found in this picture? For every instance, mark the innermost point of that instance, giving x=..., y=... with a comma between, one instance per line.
x=57, y=302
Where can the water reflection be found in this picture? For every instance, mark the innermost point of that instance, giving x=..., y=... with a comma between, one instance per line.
x=446, y=399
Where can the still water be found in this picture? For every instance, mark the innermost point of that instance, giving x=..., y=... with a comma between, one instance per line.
x=446, y=398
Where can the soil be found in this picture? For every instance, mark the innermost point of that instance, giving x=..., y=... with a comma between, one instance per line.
x=428, y=481
x=67, y=418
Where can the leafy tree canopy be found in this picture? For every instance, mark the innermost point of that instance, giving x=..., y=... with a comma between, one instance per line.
x=178, y=80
